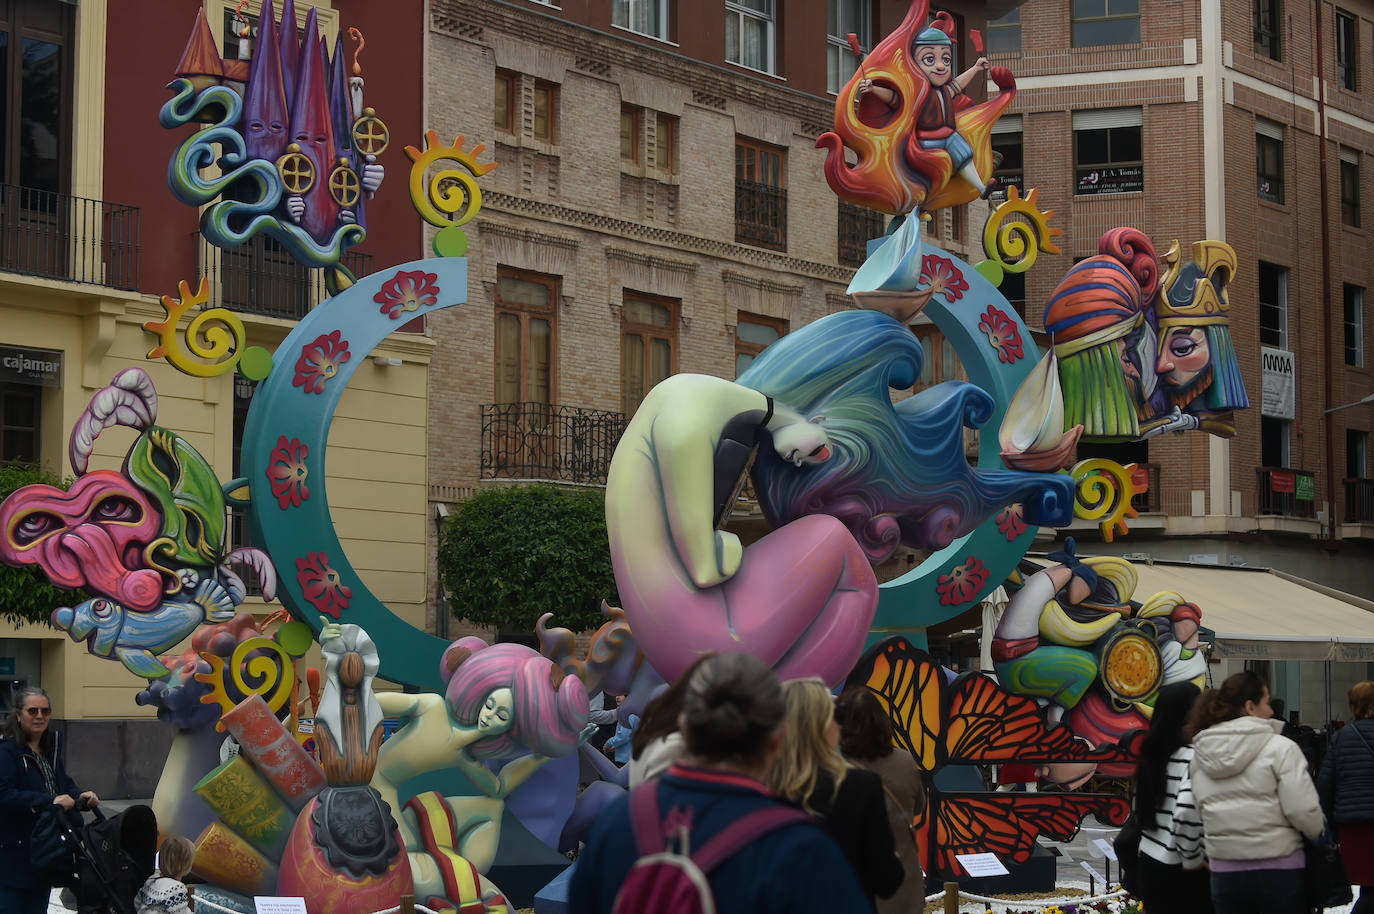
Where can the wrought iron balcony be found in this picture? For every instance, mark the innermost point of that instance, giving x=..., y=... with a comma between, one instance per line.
x=59, y=236
x=760, y=214
x=547, y=441
x=260, y=277
x=1359, y=501
x=857, y=226
x=1285, y=492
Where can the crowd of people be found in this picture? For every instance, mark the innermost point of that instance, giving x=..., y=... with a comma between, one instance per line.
x=726, y=744
x=1228, y=807
x=742, y=777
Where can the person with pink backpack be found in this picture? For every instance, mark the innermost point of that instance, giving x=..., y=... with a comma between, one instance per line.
x=707, y=837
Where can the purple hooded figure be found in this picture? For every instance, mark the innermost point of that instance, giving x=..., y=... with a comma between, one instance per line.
x=313, y=132
x=341, y=113
x=265, y=110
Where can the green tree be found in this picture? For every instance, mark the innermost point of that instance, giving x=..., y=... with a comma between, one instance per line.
x=25, y=594
x=512, y=553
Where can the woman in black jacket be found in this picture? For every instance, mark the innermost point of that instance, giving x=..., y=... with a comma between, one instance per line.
x=848, y=801
x=1346, y=788
x=32, y=776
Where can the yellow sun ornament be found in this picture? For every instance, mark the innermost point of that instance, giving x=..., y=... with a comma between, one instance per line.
x=1016, y=233
x=215, y=338
x=451, y=196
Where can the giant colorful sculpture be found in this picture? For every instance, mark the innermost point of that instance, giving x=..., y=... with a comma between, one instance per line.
x=1140, y=353
x=969, y=719
x=920, y=143
x=844, y=475
x=149, y=541
x=296, y=148
x=500, y=702
x=1071, y=637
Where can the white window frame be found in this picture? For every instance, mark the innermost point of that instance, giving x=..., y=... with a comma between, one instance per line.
x=1281, y=304
x=838, y=43
x=629, y=7
x=1354, y=328
x=770, y=19
x=1275, y=132
x=1360, y=439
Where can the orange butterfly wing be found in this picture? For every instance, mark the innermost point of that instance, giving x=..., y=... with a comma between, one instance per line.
x=987, y=725
x=909, y=684
x=1005, y=824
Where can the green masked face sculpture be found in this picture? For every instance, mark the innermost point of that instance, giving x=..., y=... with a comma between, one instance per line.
x=177, y=478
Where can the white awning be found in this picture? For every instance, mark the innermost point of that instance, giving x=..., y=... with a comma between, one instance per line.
x=1261, y=614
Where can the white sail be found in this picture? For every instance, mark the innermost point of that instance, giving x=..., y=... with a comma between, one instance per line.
x=1035, y=417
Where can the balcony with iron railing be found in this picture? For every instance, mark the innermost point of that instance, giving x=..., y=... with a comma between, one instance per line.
x=857, y=226
x=61, y=236
x=760, y=214
x=543, y=441
x=1283, y=492
x=1358, y=520
x=261, y=277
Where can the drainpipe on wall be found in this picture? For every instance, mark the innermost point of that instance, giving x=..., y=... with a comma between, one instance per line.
x=1328, y=436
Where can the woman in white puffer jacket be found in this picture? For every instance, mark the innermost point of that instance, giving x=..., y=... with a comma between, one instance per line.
x=1255, y=797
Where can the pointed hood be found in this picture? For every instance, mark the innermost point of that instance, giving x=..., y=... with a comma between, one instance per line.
x=313, y=131
x=341, y=116
x=341, y=104
x=290, y=50
x=265, y=115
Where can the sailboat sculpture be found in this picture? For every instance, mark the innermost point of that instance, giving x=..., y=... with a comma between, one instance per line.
x=1032, y=435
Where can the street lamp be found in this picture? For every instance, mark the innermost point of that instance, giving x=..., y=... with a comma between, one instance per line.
x=1364, y=402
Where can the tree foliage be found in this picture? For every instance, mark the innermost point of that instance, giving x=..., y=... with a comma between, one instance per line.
x=25, y=594
x=512, y=553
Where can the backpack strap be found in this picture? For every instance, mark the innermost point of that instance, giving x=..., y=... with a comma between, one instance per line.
x=745, y=830
x=645, y=822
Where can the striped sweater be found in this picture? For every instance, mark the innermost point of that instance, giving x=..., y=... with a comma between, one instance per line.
x=1175, y=836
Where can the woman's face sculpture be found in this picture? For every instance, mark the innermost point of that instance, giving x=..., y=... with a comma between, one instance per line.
x=936, y=62
x=802, y=443
x=497, y=711
x=1183, y=356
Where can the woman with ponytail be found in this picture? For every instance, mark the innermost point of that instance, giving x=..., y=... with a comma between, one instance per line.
x=1171, y=874
x=1255, y=797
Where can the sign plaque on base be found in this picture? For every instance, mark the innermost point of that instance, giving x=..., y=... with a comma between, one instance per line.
x=981, y=864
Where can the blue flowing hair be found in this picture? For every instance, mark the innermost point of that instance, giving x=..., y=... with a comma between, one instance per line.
x=898, y=474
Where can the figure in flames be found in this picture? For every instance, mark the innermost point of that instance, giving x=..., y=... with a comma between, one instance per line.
x=920, y=143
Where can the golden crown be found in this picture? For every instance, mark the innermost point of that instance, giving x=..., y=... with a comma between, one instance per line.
x=1195, y=292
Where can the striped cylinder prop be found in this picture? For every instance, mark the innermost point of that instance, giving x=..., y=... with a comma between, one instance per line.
x=275, y=753
x=244, y=803
x=226, y=860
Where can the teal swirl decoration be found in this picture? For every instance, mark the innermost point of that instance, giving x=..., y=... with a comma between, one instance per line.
x=221, y=144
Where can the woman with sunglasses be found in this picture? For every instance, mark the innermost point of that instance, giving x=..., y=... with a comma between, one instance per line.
x=32, y=775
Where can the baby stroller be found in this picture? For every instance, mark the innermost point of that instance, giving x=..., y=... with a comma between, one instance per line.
x=115, y=855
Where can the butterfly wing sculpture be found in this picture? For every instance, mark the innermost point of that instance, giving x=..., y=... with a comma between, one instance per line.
x=971, y=720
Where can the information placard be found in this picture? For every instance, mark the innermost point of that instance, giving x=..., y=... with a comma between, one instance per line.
x=981, y=864
x=270, y=904
x=1093, y=873
x=1106, y=847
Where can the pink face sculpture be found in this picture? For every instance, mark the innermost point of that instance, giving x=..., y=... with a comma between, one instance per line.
x=92, y=537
